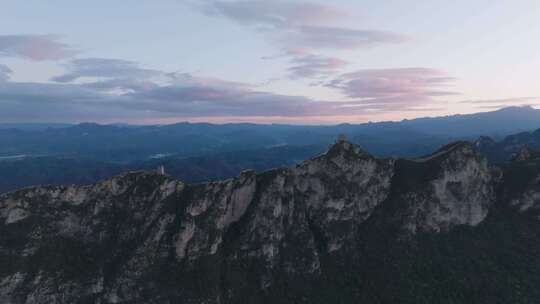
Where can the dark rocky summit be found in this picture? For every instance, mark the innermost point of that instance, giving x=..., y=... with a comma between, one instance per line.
x=343, y=227
x=525, y=144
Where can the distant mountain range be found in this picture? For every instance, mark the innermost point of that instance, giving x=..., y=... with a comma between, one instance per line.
x=504, y=121
x=498, y=123
x=86, y=153
x=122, y=144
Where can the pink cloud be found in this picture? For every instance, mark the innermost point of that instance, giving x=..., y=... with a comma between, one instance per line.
x=35, y=47
x=333, y=37
x=127, y=91
x=393, y=84
x=312, y=66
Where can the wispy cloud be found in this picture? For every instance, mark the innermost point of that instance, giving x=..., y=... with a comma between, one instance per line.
x=110, y=75
x=35, y=47
x=499, y=103
x=300, y=24
x=125, y=91
x=393, y=83
x=104, y=88
x=105, y=68
x=151, y=95
x=332, y=37
x=305, y=65
x=30, y=101
x=503, y=101
x=394, y=89
x=271, y=14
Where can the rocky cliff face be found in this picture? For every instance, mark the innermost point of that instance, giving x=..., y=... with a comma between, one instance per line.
x=274, y=237
x=454, y=186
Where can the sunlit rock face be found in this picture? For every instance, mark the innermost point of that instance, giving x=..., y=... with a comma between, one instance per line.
x=453, y=186
x=147, y=238
x=314, y=209
x=58, y=243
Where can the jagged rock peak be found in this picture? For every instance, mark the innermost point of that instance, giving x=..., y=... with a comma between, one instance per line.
x=346, y=148
x=484, y=142
x=525, y=154
x=453, y=186
x=459, y=148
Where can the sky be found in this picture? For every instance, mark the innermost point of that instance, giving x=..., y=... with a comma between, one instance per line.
x=264, y=61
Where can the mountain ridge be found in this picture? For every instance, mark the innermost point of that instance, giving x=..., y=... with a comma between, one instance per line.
x=276, y=236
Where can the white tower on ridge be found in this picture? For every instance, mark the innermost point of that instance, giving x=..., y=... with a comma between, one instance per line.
x=161, y=170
